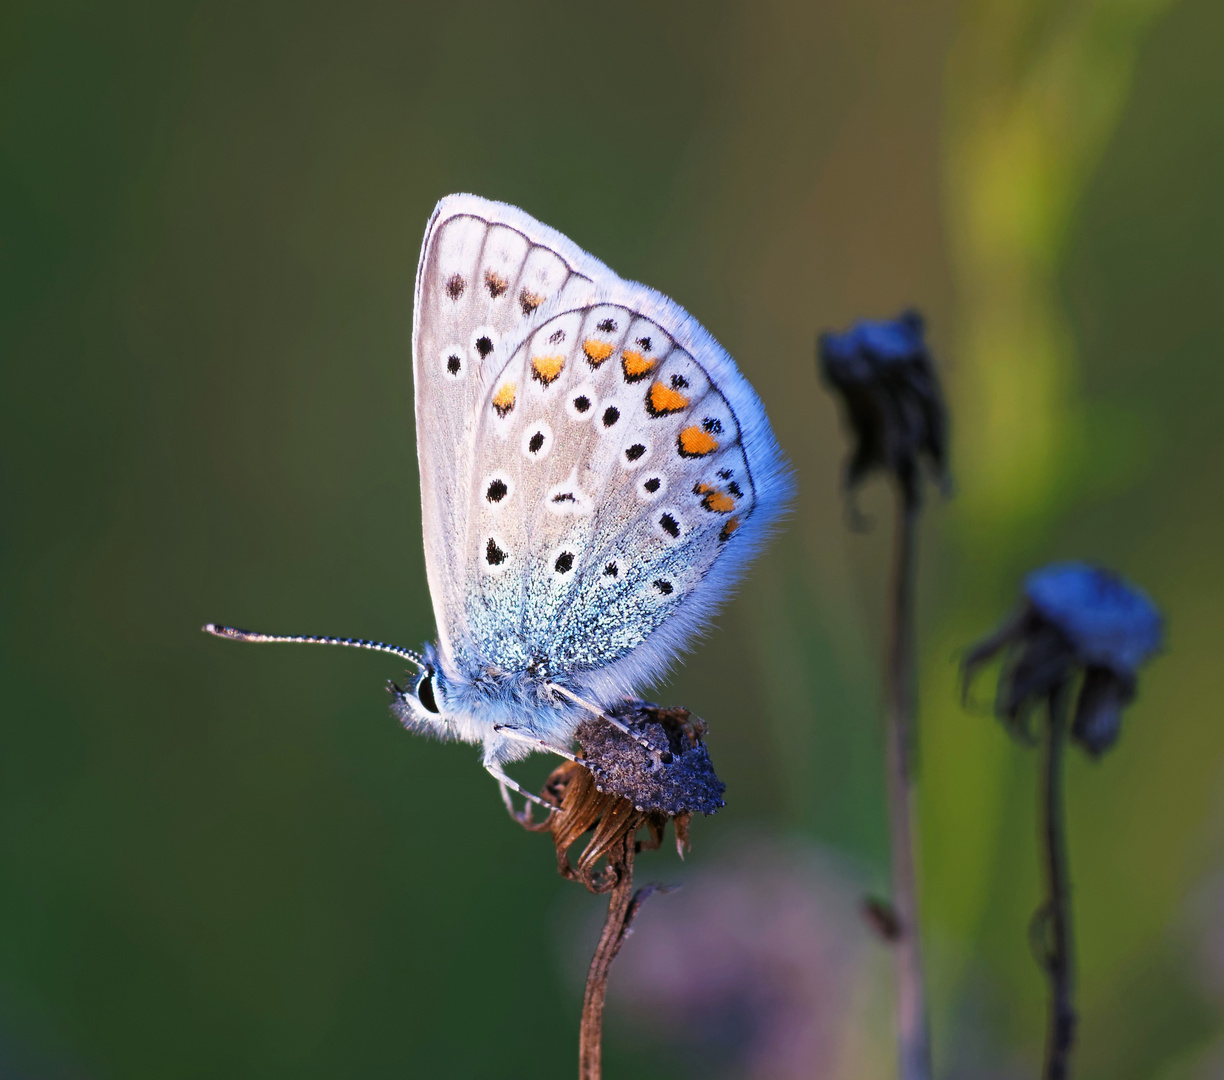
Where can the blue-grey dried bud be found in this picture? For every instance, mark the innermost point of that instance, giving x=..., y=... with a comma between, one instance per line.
x=1076, y=622
x=886, y=379
x=677, y=779
x=1109, y=622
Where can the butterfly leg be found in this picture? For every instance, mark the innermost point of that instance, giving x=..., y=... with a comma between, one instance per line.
x=509, y=803
x=505, y=782
x=597, y=711
x=531, y=740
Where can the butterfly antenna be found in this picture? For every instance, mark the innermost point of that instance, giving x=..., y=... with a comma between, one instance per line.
x=234, y=634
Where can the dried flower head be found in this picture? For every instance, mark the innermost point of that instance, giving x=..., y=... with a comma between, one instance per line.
x=618, y=787
x=1076, y=622
x=886, y=379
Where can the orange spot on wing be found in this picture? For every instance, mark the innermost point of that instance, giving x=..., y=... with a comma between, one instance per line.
x=529, y=301
x=694, y=442
x=636, y=365
x=596, y=351
x=495, y=283
x=503, y=400
x=663, y=400
x=719, y=502
x=728, y=529
x=545, y=369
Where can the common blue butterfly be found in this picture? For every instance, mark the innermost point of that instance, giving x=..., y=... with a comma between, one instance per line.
x=595, y=476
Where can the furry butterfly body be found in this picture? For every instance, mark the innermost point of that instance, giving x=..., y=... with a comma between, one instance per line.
x=596, y=474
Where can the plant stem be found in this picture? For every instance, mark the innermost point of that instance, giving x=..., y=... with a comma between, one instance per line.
x=622, y=907
x=1060, y=1034
x=913, y=1038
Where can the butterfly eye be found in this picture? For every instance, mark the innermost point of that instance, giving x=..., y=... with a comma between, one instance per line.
x=425, y=692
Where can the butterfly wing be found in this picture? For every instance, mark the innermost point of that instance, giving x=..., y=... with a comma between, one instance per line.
x=624, y=474
x=484, y=272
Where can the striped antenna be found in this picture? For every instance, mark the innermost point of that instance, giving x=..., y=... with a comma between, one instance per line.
x=234, y=634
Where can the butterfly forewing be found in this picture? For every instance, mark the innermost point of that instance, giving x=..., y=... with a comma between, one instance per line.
x=485, y=271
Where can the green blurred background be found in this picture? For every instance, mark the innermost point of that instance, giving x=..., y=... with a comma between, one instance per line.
x=228, y=861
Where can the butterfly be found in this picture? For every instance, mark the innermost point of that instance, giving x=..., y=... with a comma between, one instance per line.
x=596, y=474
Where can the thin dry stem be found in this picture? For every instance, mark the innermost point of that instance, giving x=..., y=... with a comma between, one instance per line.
x=1060, y=1034
x=622, y=906
x=614, y=824
x=913, y=1038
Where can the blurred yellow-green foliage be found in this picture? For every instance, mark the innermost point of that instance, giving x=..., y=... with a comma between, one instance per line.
x=223, y=861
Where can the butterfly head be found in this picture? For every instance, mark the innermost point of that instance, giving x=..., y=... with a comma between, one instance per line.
x=422, y=705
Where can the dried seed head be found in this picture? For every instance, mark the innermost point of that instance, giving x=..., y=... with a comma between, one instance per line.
x=1108, y=622
x=676, y=779
x=619, y=787
x=894, y=406
x=1076, y=622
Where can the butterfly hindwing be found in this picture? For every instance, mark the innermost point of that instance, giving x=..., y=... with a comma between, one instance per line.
x=624, y=471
